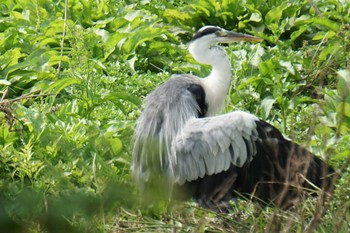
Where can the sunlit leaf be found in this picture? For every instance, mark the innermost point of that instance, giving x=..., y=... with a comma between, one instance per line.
x=330, y=24
x=343, y=86
x=34, y=117
x=318, y=21
x=255, y=17
x=60, y=84
x=176, y=14
x=344, y=129
x=140, y=37
x=116, y=96
x=275, y=14
x=112, y=42
x=201, y=8
x=266, y=106
x=11, y=57
x=5, y=82
x=116, y=145
x=288, y=65
x=344, y=109
x=324, y=35
x=331, y=49
x=299, y=32
x=50, y=41
x=266, y=67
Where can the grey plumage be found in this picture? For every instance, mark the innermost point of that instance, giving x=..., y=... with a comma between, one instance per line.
x=189, y=138
x=205, y=142
x=156, y=129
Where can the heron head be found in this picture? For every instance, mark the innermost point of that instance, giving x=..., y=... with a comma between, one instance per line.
x=203, y=44
x=214, y=34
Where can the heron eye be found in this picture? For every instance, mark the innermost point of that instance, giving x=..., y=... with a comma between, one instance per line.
x=218, y=33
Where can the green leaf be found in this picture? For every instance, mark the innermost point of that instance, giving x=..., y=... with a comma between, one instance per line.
x=288, y=65
x=255, y=17
x=344, y=109
x=332, y=48
x=112, y=41
x=341, y=156
x=33, y=116
x=324, y=35
x=141, y=36
x=343, y=86
x=5, y=82
x=326, y=23
x=266, y=106
x=105, y=143
x=298, y=32
x=116, y=96
x=10, y=58
x=208, y=7
x=318, y=21
x=49, y=41
x=266, y=67
x=116, y=145
x=200, y=8
x=172, y=14
x=275, y=13
x=60, y=84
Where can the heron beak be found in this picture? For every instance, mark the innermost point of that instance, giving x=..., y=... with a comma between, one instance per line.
x=230, y=37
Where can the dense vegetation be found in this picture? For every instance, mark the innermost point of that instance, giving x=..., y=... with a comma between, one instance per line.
x=72, y=77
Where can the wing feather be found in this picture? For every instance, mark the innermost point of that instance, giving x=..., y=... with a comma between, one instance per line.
x=210, y=165
x=227, y=157
x=156, y=128
x=237, y=152
x=225, y=141
x=243, y=156
x=211, y=145
x=219, y=164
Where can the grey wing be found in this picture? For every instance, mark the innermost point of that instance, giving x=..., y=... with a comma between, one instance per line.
x=207, y=146
x=166, y=110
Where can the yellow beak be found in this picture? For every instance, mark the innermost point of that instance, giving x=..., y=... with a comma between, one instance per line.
x=230, y=37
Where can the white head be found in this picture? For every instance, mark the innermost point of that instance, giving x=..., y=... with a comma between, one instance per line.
x=208, y=36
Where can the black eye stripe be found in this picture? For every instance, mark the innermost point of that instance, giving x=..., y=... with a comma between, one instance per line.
x=206, y=31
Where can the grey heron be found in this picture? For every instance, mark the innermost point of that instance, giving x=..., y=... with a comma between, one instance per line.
x=183, y=147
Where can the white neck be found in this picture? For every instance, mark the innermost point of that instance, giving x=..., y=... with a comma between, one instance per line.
x=217, y=84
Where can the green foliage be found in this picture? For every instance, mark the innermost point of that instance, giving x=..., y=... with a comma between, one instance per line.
x=71, y=88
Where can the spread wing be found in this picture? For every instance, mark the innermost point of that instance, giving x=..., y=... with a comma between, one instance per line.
x=207, y=146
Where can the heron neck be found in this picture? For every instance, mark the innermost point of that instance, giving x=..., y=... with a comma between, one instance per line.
x=220, y=75
x=217, y=84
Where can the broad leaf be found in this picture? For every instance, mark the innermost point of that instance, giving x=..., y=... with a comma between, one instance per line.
x=266, y=106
